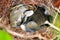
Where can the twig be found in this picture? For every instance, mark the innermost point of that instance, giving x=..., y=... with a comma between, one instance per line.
x=24, y=36
x=57, y=9
x=51, y=25
x=55, y=18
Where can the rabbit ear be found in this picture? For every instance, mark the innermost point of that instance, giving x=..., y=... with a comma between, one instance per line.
x=29, y=13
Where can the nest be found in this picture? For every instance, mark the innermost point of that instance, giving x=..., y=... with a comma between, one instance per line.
x=17, y=33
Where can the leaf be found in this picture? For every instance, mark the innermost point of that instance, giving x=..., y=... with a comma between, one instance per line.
x=57, y=24
x=51, y=18
x=5, y=35
x=57, y=21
